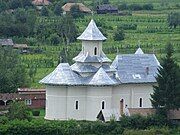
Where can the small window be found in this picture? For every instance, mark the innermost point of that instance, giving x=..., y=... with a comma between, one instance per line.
x=77, y=105
x=103, y=105
x=95, y=51
x=28, y=101
x=140, y=102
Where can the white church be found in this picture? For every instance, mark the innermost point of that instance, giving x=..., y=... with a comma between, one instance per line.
x=95, y=84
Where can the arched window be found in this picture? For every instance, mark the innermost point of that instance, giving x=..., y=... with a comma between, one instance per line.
x=140, y=102
x=77, y=105
x=95, y=51
x=102, y=105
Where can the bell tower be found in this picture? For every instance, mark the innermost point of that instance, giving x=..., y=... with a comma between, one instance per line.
x=91, y=58
x=92, y=40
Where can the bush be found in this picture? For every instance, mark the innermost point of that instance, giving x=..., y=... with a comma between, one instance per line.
x=3, y=119
x=161, y=131
x=35, y=112
x=54, y=39
x=18, y=110
x=119, y=35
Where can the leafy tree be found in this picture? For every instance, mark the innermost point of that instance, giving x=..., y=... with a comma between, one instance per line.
x=166, y=94
x=173, y=19
x=14, y=4
x=3, y=6
x=119, y=35
x=12, y=72
x=44, y=11
x=54, y=39
x=19, y=23
x=21, y=15
x=76, y=12
x=18, y=110
x=58, y=9
x=69, y=30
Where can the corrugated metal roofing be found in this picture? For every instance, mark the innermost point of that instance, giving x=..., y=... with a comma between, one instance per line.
x=92, y=33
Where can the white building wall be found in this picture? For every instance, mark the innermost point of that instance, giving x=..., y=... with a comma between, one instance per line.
x=56, y=102
x=88, y=46
x=131, y=93
x=60, y=101
x=76, y=94
x=95, y=96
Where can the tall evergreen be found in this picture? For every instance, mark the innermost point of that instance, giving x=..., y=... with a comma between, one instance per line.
x=166, y=94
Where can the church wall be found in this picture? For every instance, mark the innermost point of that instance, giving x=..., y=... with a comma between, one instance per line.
x=121, y=92
x=88, y=46
x=56, y=102
x=95, y=96
x=76, y=94
x=142, y=91
x=131, y=93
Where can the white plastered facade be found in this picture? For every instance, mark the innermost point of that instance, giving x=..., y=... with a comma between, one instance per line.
x=61, y=100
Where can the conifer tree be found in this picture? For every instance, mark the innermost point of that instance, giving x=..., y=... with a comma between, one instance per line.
x=166, y=94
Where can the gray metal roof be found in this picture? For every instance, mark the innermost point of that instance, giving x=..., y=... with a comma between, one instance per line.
x=101, y=78
x=139, y=51
x=81, y=57
x=62, y=75
x=92, y=33
x=6, y=42
x=88, y=68
x=136, y=68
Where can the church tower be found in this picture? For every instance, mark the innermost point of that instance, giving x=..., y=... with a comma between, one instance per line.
x=91, y=57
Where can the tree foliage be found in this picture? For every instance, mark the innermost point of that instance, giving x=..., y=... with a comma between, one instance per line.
x=76, y=12
x=119, y=35
x=58, y=9
x=18, y=110
x=20, y=23
x=12, y=72
x=173, y=19
x=44, y=11
x=166, y=94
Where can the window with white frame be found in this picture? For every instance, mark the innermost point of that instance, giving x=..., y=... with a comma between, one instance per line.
x=28, y=101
